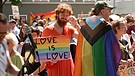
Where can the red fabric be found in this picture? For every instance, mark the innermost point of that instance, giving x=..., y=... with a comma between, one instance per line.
x=64, y=67
x=131, y=28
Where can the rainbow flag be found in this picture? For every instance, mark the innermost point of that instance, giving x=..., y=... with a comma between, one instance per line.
x=50, y=14
x=98, y=52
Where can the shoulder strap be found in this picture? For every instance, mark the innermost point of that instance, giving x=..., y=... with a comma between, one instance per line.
x=4, y=47
x=18, y=39
x=123, y=42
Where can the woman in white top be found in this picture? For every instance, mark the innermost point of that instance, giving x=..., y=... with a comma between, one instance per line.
x=120, y=28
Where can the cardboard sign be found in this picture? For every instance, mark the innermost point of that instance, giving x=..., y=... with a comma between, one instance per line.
x=53, y=48
x=15, y=11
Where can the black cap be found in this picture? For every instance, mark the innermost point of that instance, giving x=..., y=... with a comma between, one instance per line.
x=101, y=4
x=12, y=21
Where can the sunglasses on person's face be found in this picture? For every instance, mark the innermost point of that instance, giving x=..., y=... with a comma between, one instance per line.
x=3, y=34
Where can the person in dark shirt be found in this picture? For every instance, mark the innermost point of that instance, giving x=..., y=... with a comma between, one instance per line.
x=27, y=47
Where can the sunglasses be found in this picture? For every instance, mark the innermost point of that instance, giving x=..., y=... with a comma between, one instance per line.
x=3, y=34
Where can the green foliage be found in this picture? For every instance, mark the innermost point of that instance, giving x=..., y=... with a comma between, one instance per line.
x=16, y=2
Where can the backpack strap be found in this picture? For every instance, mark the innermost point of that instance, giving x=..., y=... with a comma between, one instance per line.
x=4, y=47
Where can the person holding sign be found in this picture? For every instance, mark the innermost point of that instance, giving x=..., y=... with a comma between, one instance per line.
x=60, y=28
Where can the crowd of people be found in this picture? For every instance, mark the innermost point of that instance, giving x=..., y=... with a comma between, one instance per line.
x=99, y=44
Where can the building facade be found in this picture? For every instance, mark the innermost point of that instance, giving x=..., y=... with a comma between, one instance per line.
x=123, y=7
x=38, y=6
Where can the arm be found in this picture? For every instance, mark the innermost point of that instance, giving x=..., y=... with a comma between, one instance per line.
x=11, y=67
x=75, y=36
x=73, y=21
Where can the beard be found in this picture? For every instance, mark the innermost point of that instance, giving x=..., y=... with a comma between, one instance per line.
x=61, y=23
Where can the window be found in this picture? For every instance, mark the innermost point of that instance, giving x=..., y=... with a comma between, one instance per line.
x=107, y=0
x=41, y=0
x=128, y=0
x=117, y=0
x=8, y=0
x=89, y=0
x=67, y=0
x=23, y=17
x=83, y=16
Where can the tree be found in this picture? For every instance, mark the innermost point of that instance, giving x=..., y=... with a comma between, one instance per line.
x=13, y=2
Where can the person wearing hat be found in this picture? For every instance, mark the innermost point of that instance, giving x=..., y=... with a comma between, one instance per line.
x=101, y=8
x=100, y=53
x=13, y=28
